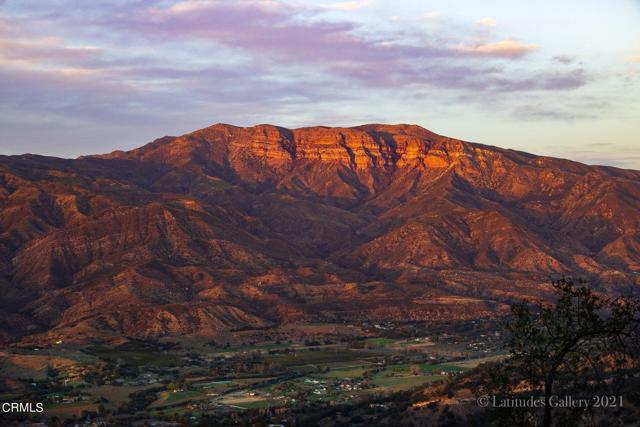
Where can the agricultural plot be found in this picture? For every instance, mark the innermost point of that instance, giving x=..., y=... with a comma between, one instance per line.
x=442, y=368
x=115, y=395
x=70, y=409
x=391, y=384
x=168, y=398
x=172, y=378
x=345, y=372
x=132, y=355
x=472, y=363
x=324, y=356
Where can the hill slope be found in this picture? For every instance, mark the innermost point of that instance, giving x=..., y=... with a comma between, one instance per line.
x=229, y=227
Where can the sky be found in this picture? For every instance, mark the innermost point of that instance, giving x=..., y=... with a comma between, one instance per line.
x=558, y=78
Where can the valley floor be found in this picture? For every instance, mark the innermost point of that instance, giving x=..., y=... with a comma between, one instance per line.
x=270, y=373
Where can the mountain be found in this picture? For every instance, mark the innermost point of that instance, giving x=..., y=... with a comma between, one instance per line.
x=230, y=227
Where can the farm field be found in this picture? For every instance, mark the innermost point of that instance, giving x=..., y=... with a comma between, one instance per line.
x=243, y=372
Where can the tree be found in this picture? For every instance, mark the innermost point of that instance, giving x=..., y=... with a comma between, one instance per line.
x=567, y=345
x=53, y=373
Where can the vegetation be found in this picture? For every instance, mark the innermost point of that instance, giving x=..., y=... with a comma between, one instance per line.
x=171, y=382
x=579, y=347
x=392, y=374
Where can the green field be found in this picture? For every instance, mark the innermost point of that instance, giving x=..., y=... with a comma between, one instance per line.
x=214, y=386
x=249, y=378
x=472, y=363
x=182, y=396
x=262, y=347
x=348, y=372
x=402, y=377
x=132, y=356
x=266, y=403
x=427, y=368
x=397, y=383
x=222, y=386
x=317, y=357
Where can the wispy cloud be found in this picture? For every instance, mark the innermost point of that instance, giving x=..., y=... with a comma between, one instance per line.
x=275, y=32
x=265, y=35
x=563, y=59
x=36, y=52
x=501, y=49
x=488, y=22
x=193, y=61
x=349, y=5
x=422, y=17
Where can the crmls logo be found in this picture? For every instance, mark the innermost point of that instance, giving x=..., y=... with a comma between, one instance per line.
x=22, y=407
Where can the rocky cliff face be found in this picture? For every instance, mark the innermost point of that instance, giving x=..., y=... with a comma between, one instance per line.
x=229, y=227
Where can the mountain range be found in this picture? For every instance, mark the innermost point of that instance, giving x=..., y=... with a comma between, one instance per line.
x=234, y=227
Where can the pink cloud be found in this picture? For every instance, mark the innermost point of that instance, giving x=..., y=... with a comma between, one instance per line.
x=275, y=33
x=487, y=22
x=349, y=5
x=158, y=59
x=508, y=49
x=22, y=48
x=41, y=51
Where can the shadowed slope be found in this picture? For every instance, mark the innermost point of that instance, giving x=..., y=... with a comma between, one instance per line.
x=228, y=227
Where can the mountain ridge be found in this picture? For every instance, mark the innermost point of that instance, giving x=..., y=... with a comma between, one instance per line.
x=229, y=227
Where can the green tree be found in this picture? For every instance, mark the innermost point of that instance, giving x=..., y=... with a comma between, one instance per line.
x=53, y=373
x=568, y=346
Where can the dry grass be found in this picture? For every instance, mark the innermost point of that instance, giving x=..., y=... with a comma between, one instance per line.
x=30, y=366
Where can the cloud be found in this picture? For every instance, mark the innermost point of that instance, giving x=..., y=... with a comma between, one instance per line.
x=566, y=80
x=573, y=108
x=600, y=153
x=476, y=82
x=488, y=22
x=189, y=6
x=45, y=50
x=47, y=79
x=279, y=41
x=426, y=16
x=156, y=64
x=20, y=48
x=274, y=33
x=503, y=49
x=349, y=5
x=563, y=59
x=546, y=112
